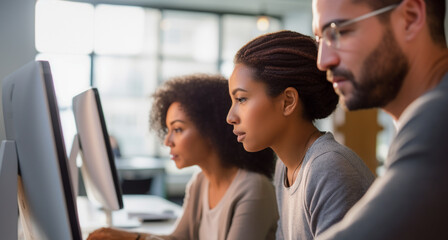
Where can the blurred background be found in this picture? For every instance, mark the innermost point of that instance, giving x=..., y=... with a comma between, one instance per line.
x=128, y=48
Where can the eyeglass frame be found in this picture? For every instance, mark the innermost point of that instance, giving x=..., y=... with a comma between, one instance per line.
x=334, y=27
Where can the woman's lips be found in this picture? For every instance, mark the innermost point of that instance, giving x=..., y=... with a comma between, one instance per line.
x=173, y=156
x=240, y=135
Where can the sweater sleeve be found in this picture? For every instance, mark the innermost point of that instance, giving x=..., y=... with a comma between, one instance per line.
x=333, y=186
x=186, y=225
x=255, y=213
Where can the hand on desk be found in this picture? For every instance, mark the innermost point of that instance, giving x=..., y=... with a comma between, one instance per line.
x=111, y=234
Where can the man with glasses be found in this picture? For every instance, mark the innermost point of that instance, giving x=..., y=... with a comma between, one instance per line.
x=393, y=55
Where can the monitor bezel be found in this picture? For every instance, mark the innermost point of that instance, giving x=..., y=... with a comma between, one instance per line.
x=110, y=153
x=61, y=151
x=31, y=117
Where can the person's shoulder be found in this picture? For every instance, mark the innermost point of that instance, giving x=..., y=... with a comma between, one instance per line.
x=279, y=173
x=250, y=178
x=196, y=182
x=197, y=177
x=256, y=178
x=439, y=94
x=422, y=128
x=252, y=182
x=431, y=107
x=332, y=159
x=327, y=152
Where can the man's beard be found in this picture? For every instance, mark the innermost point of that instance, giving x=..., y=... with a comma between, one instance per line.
x=381, y=77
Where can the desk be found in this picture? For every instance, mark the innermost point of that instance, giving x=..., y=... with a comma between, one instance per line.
x=91, y=218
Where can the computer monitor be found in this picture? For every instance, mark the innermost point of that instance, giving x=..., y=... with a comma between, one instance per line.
x=93, y=142
x=46, y=201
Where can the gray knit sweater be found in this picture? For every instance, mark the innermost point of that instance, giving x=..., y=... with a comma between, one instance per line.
x=331, y=180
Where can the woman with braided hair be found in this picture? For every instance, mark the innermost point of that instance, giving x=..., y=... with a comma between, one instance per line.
x=277, y=93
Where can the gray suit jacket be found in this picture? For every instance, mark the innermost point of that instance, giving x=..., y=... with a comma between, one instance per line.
x=411, y=200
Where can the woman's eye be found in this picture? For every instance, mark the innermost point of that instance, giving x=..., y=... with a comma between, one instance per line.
x=241, y=100
x=177, y=130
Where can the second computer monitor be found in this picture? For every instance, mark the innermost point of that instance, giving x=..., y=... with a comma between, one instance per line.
x=98, y=163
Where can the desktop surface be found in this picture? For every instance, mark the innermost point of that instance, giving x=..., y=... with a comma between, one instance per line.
x=162, y=213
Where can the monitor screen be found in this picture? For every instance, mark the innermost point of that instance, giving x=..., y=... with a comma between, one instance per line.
x=31, y=115
x=98, y=163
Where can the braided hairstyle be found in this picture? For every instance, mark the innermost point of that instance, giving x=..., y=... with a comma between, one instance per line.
x=288, y=59
x=205, y=100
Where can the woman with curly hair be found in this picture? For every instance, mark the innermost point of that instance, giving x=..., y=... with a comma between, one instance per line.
x=232, y=197
x=277, y=93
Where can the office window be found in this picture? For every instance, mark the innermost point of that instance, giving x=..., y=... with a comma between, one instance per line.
x=71, y=75
x=125, y=73
x=120, y=30
x=173, y=68
x=126, y=52
x=189, y=43
x=64, y=27
x=237, y=31
x=190, y=35
x=125, y=84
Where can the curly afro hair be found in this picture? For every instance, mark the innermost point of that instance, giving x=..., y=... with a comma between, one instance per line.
x=205, y=100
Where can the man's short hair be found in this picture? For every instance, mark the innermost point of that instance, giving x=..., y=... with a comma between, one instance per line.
x=435, y=11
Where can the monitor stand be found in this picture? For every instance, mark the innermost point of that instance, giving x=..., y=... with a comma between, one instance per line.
x=119, y=222
x=75, y=151
x=9, y=209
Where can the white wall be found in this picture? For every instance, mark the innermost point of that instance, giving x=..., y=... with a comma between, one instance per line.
x=16, y=40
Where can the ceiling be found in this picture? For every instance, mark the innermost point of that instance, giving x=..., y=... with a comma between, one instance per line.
x=270, y=7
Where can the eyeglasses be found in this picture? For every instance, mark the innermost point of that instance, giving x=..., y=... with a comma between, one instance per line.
x=332, y=34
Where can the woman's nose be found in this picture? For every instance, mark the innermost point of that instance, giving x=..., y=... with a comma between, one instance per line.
x=232, y=118
x=168, y=141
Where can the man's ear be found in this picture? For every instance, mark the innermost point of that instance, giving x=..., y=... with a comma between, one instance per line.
x=290, y=101
x=414, y=16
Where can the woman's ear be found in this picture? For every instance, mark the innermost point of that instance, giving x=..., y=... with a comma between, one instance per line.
x=290, y=100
